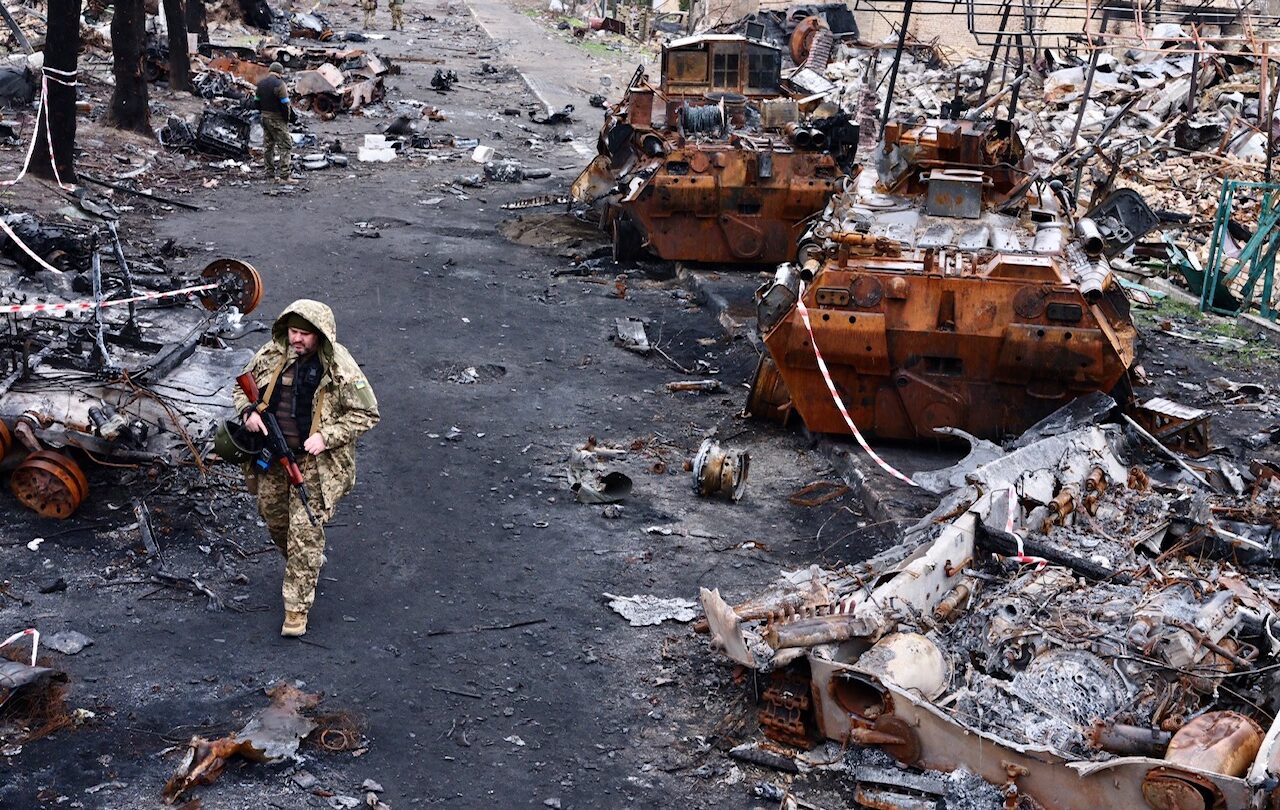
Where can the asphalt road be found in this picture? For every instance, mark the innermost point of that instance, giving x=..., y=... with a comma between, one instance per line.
x=461, y=517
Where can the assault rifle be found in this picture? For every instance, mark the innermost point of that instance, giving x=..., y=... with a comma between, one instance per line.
x=275, y=449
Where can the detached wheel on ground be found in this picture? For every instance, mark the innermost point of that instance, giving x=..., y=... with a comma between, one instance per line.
x=49, y=484
x=628, y=243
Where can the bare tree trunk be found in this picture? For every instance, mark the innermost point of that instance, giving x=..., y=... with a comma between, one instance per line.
x=175, y=18
x=62, y=51
x=129, y=101
x=196, y=23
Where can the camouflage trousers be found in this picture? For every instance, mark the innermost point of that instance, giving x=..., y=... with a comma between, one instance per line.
x=275, y=137
x=397, y=16
x=301, y=543
x=369, y=9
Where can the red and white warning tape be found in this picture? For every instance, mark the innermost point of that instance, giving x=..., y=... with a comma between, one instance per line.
x=35, y=641
x=835, y=395
x=42, y=114
x=81, y=306
x=1039, y=562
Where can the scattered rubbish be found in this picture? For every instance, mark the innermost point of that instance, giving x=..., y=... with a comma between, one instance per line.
x=720, y=472
x=818, y=493
x=631, y=335
x=482, y=154
x=587, y=477
x=272, y=735
x=644, y=610
x=559, y=118
x=442, y=81
x=610, y=487
x=504, y=171
x=536, y=202
x=376, y=149
x=699, y=386
x=67, y=642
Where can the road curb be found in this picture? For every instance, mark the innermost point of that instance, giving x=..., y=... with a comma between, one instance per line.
x=875, y=504
x=696, y=283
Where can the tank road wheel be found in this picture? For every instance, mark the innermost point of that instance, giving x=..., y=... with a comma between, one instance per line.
x=239, y=285
x=802, y=38
x=50, y=484
x=628, y=244
x=6, y=440
x=326, y=105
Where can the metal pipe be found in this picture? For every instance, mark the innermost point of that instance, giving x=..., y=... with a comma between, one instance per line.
x=818, y=139
x=1089, y=233
x=897, y=59
x=972, y=115
x=1088, y=88
x=798, y=135
x=1129, y=741
x=995, y=49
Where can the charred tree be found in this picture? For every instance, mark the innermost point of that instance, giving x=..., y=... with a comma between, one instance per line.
x=175, y=19
x=129, y=101
x=196, y=23
x=62, y=50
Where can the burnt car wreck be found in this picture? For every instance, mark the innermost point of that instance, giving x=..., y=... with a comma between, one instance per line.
x=102, y=360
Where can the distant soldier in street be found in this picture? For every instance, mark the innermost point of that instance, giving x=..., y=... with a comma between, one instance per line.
x=397, y=14
x=369, y=7
x=273, y=101
x=322, y=403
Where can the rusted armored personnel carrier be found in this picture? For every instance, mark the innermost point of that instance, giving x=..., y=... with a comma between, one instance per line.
x=716, y=163
x=952, y=289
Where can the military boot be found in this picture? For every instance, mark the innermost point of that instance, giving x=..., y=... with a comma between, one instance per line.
x=295, y=623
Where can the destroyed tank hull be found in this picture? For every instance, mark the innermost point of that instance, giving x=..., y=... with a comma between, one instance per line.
x=717, y=164
x=720, y=203
x=911, y=348
x=986, y=321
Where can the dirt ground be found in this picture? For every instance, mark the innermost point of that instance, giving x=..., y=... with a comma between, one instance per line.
x=461, y=614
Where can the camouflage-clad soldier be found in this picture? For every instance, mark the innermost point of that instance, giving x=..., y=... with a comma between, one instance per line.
x=323, y=402
x=397, y=14
x=272, y=97
x=369, y=7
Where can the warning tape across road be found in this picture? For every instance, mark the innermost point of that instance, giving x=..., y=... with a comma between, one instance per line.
x=82, y=306
x=835, y=395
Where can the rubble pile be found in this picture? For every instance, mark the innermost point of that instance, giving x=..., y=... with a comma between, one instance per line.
x=1157, y=117
x=1059, y=603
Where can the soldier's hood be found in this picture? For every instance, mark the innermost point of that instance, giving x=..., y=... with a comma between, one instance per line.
x=319, y=315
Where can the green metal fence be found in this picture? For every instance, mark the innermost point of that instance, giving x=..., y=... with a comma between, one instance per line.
x=1231, y=284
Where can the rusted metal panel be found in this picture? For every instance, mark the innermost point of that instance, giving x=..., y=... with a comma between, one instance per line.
x=251, y=72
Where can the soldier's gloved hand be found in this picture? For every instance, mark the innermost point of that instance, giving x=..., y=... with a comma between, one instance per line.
x=314, y=444
x=254, y=422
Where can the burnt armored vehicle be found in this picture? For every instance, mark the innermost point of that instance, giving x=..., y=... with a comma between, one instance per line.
x=950, y=289
x=717, y=162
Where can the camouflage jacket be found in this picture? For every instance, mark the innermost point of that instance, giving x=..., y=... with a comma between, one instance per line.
x=345, y=406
